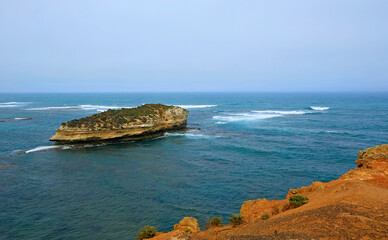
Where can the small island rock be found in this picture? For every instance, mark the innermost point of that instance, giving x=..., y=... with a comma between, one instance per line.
x=127, y=124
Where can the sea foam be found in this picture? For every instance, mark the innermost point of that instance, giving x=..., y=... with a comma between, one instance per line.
x=43, y=148
x=254, y=115
x=62, y=147
x=196, y=106
x=99, y=108
x=13, y=104
x=281, y=112
x=316, y=108
x=190, y=134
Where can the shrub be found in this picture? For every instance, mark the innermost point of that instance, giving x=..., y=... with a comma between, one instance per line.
x=297, y=201
x=236, y=219
x=216, y=221
x=146, y=232
x=188, y=230
x=265, y=216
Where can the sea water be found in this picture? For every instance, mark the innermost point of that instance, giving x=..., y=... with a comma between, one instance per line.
x=249, y=146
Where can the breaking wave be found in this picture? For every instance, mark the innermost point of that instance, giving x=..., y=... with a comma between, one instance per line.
x=190, y=134
x=21, y=119
x=43, y=148
x=319, y=108
x=13, y=104
x=254, y=115
x=61, y=147
x=281, y=112
x=79, y=107
x=196, y=106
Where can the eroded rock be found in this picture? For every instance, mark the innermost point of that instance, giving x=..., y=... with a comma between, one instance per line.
x=188, y=223
x=127, y=124
x=374, y=154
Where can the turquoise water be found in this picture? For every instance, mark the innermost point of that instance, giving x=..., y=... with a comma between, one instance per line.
x=250, y=146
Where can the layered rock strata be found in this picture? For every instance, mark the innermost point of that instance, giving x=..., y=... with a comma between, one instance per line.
x=127, y=124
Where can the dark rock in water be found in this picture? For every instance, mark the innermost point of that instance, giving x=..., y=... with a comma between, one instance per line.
x=127, y=124
x=14, y=119
x=6, y=166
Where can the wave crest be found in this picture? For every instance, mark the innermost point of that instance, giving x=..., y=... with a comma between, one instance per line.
x=43, y=148
x=189, y=134
x=196, y=106
x=316, y=108
x=281, y=112
x=13, y=104
x=99, y=108
x=254, y=115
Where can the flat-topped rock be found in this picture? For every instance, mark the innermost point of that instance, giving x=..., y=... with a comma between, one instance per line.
x=127, y=124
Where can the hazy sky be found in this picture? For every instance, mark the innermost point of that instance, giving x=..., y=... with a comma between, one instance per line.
x=144, y=45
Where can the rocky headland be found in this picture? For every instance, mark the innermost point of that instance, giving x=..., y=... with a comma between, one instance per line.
x=127, y=124
x=355, y=206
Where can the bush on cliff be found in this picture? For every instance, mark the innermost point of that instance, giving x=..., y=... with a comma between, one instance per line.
x=236, y=219
x=265, y=216
x=146, y=232
x=214, y=222
x=297, y=201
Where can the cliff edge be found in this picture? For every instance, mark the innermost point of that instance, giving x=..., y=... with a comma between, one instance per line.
x=127, y=124
x=355, y=206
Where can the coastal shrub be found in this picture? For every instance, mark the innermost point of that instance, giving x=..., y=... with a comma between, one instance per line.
x=297, y=201
x=118, y=117
x=213, y=222
x=236, y=219
x=265, y=216
x=146, y=232
x=216, y=221
x=188, y=230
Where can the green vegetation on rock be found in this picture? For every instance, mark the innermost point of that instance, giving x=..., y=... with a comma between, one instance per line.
x=265, y=216
x=297, y=201
x=146, y=232
x=115, y=118
x=214, y=222
x=236, y=219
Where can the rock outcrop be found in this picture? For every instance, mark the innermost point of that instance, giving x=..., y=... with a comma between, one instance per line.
x=188, y=223
x=14, y=119
x=127, y=124
x=354, y=206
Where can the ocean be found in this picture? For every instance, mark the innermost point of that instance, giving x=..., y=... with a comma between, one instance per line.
x=249, y=146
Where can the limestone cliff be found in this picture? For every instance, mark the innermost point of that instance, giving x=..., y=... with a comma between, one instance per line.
x=354, y=206
x=127, y=124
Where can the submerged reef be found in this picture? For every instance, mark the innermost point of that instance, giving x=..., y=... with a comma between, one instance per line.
x=127, y=124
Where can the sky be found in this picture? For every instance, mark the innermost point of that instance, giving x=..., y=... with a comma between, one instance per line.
x=193, y=46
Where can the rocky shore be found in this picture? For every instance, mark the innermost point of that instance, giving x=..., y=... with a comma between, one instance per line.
x=355, y=206
x=127, y=124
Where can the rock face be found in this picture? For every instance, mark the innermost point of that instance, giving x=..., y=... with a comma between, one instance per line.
x=127, y=124
x=188, y=223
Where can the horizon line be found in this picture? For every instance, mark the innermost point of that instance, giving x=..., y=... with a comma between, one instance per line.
x=199, y=92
